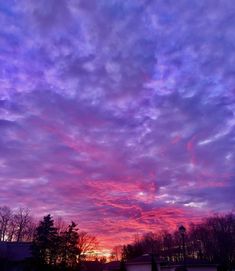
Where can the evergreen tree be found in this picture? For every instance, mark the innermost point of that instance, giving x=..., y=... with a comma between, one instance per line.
x=69, y=246
x=45, y=243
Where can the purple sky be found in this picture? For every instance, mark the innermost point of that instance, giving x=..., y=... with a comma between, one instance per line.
x=119, y=114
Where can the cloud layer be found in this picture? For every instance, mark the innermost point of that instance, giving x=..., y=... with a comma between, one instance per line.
x=119, y=114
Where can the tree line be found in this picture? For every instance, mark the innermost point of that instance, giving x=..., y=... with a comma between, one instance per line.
x=55, y=244
x=60, y=248
x=211, y=241
x=16, y=225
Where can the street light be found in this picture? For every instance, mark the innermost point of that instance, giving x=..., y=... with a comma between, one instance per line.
x=182, y=231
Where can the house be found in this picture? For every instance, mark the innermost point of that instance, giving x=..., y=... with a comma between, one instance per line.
x=191, y=267
x=145, y=262
x=149, y=262
x=142, y=263
x=14, y=255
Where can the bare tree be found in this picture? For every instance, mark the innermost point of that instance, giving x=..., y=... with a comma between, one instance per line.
x=60, y=224
x=11, y=230
x=5, y=218
x=22, y=221
x=117, y=253
x=30, y=230
x=87, y=244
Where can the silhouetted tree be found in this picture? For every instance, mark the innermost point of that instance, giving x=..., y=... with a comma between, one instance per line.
x=5, y=219
x=22, y=221
x=219, y=239
x=131, y=251
x=168, y=245
x=87, y=244
x=54, y=247
x=151, y=243
x=69, y=246
x=16, y=225
x=60, y=224
x=45, y=244
x=212, y=240
x=116, y=253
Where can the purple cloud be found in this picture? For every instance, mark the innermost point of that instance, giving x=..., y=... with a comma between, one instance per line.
x=118, y=113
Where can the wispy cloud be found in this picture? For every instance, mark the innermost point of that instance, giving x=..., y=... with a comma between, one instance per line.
x=118, y=113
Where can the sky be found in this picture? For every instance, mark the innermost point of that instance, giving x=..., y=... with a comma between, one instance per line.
x=118, y=114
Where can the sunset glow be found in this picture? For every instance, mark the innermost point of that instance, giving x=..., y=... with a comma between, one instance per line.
x=118, y=114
